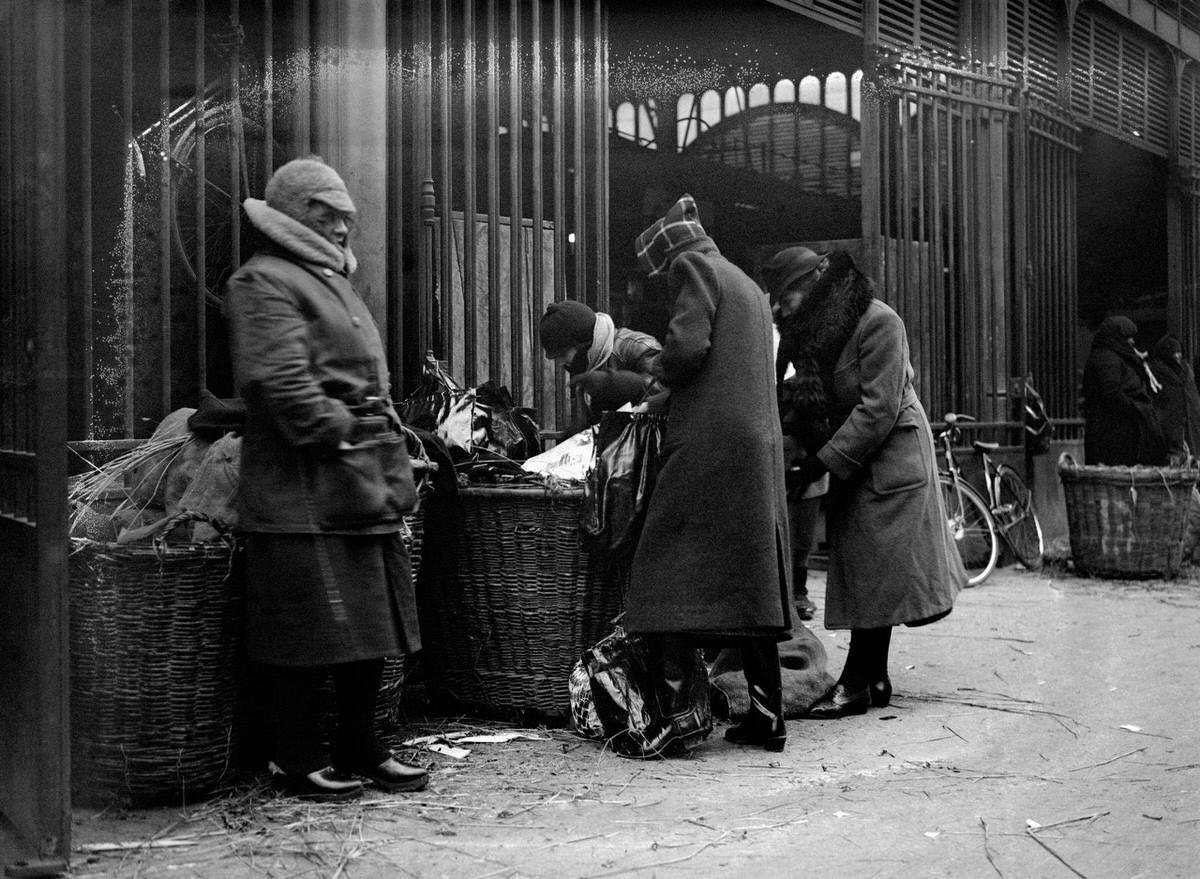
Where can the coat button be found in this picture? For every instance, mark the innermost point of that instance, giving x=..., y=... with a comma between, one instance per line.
x=328, y=272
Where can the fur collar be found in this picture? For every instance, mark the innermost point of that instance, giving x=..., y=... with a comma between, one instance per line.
x=297, y=239
x=812, y=339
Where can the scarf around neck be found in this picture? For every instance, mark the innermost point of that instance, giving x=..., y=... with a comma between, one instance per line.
x=604, y=333
x=297, y=239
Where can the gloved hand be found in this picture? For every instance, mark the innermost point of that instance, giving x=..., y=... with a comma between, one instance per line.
x=804, y=472
x=611, y=388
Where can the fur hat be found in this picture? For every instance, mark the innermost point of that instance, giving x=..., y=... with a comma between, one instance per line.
x=565, y=325
x=657, y=244
x=787, y=267
x=296, y=183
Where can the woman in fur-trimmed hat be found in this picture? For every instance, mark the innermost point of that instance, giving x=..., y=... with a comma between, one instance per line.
x=891, y=559
x=325, y=481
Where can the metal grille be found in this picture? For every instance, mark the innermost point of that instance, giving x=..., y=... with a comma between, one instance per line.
x=945, y=224
x=1119, y=82
x=1190, y=261
x=1033, y=44
x=924, y=24
x=1189, y=118
x=508, y=146
x=1047, y=175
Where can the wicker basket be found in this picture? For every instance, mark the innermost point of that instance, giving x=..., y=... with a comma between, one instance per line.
x=154, y=639
x=506, y=623
x=1126, y=522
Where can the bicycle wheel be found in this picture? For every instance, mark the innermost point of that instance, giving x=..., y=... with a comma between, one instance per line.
x=1016, y=520
x=971, y=527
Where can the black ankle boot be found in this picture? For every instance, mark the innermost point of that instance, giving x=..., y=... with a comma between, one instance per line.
x=763, y=726
x=682, y=694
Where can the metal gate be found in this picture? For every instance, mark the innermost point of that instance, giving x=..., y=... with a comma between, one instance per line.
x=34, y=249
x=944, y=226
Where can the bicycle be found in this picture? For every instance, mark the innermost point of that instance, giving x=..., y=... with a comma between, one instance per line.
x=978, y=521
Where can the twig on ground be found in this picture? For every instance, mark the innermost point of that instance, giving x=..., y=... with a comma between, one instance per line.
x=1091, y=817
x=1109, y=760
x=1054, y=854
x=987, y=849
x=660, y=864
x=944, y=726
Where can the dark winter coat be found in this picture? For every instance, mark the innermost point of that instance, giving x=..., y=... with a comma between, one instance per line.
x=1120, y=422
x=328, y=578
x=1177, y=402
x=891, y=558
x=713, y=555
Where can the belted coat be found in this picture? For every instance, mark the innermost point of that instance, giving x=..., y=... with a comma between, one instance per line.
x=891, y=558
x=713, y=554
x=328, y=578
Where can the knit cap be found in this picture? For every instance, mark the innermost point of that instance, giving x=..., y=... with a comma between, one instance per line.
x=565, y=325
x=296, y=183
x=681, y=225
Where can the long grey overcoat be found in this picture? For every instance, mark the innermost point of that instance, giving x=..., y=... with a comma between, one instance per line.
x=713, y=554
x=891, y=559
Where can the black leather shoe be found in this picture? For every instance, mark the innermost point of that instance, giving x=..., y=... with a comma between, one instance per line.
x=671, y=736
x=756, y=730
x=391, y=775
x=881, y=692
x=840, y=702
x=324, y=785
x=805, y=609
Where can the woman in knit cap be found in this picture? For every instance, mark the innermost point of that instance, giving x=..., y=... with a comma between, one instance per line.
x=608, y=365
x=325, y=480
x=712, y=565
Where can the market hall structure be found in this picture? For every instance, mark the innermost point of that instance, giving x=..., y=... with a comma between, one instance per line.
x=1010, y=172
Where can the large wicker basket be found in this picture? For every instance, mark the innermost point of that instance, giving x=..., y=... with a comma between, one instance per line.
x=503, y=625
x=1126, y=522
x=154, y=638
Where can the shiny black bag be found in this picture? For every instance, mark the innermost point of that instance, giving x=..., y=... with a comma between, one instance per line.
x=619, y=485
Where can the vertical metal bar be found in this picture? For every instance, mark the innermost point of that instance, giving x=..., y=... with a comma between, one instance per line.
x=426, y=207
x=470, y=208
x=579, y=162
x=560, y=200
x=536, y=194
x=9, y=150
x=517, y=298
x=921, y=294
x=493, y=196
x=395, y=202
x=302, y=78
x=84, y=157
x=164, y=201
x=937, y=247
x=600, y=193
x=127, y=209
x=235, y=141
x=200, y=258
x=446, y=187
x=268, y=14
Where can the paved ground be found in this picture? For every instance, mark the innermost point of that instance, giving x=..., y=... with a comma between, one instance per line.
x=1047, y=728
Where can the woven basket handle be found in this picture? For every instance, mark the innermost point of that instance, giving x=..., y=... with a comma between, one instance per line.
x=158, y=531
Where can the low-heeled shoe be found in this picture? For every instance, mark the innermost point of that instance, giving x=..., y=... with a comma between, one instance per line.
x=840, y=702
x=391, y=775
x=881, y=692
x=324, y=785
x=760, y=733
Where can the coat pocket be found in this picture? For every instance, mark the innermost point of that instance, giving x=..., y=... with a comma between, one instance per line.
x=370, y=483
x=903, y=462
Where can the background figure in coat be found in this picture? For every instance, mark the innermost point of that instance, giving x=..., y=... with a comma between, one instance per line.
x=325, y=480
x=1177, y=401
x=1120, y=422
x=712, y=563
x=891, y=559
x=790, y=276
x=608, y=365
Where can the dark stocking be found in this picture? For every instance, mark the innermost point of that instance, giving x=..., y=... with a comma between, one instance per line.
x=357, y=687
x=295, y=703
x=867, y=659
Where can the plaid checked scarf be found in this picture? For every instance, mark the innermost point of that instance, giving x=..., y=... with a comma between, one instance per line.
x=680, y=225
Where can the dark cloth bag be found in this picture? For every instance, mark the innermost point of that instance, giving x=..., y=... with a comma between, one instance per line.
x=621, y=480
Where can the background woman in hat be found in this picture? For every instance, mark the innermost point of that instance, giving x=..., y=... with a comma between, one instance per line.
x=790, y=275
x=711, y=566
x=1121, y=425
x=891, y=560
x=608, y=365
x=325, y=480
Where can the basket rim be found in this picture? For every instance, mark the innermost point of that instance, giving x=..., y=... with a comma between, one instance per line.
x=1124, y=475
x=566, y=491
